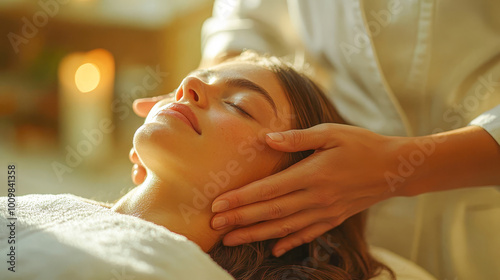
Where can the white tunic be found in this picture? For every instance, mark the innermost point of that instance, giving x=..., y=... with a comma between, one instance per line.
x=397, y=68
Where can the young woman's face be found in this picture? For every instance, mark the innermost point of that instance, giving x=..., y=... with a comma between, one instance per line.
x=213, y=134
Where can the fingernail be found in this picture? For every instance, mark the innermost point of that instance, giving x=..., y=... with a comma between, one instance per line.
x=276, y=136
x=280, y=252
x=220, y=206
x=219, y=222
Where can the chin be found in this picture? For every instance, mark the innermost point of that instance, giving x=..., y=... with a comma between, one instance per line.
x=162, y=148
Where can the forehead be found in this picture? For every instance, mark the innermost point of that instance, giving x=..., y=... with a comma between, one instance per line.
x=258, y=75
x=251, y=71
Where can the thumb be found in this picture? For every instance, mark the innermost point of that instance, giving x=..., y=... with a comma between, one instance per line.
x=314, y=138
x=142, y=106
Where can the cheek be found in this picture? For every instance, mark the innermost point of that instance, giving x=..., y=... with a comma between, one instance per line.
x=241, y=151
x=227, y=134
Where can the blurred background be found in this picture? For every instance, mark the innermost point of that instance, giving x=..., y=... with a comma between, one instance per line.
x=69, y=72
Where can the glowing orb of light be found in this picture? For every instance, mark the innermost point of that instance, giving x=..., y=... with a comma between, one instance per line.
x=87, y=77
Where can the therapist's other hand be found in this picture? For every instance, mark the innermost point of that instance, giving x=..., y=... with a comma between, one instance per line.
x=141, y=108
x=344, y=176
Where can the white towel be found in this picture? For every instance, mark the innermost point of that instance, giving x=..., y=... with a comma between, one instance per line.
x=63, y=237
x=60, y=237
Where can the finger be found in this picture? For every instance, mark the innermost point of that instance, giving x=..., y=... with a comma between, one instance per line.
x=272, y=209
x=303, y=236
x=138, y=174
x=142, y=106
x=317, y=137
x=291, y=179
x=309, y=233
x=132, y=155
x=273, y=229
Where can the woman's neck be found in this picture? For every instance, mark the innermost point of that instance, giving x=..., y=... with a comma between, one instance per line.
x=165, y=203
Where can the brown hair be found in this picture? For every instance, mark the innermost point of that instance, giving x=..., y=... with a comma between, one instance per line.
x=341, y=253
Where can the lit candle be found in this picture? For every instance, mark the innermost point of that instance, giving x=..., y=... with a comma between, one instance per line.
x=85, y=97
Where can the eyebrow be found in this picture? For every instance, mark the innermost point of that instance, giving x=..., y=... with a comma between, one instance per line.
x=241, y=83
x=247, y=84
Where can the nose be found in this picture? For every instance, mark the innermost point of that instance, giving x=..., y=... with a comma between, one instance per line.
x=194, y=91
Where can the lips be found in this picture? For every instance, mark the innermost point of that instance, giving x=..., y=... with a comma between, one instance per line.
x=182, y=112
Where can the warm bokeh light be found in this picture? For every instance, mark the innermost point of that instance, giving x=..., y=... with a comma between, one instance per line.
x=87, y=77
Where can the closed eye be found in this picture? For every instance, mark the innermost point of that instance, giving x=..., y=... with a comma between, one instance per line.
x=241, y=110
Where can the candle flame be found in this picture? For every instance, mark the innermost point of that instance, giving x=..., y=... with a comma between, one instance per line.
x=87, y=77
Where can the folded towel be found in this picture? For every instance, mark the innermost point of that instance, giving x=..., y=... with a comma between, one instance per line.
x=64, y=237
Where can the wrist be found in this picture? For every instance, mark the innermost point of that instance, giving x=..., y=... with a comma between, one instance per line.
x=410, y=165
x=460, y=158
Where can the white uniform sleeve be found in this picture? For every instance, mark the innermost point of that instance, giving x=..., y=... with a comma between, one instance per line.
x=237, y=25
x=490, y=121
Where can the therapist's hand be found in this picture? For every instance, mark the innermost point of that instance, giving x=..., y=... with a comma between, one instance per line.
x=141, y=108
x=344, y=176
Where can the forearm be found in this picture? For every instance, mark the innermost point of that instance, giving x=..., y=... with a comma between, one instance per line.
x=461, y=158
x=235, y=26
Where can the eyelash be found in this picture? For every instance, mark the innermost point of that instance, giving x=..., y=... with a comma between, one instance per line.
x=239, y=109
